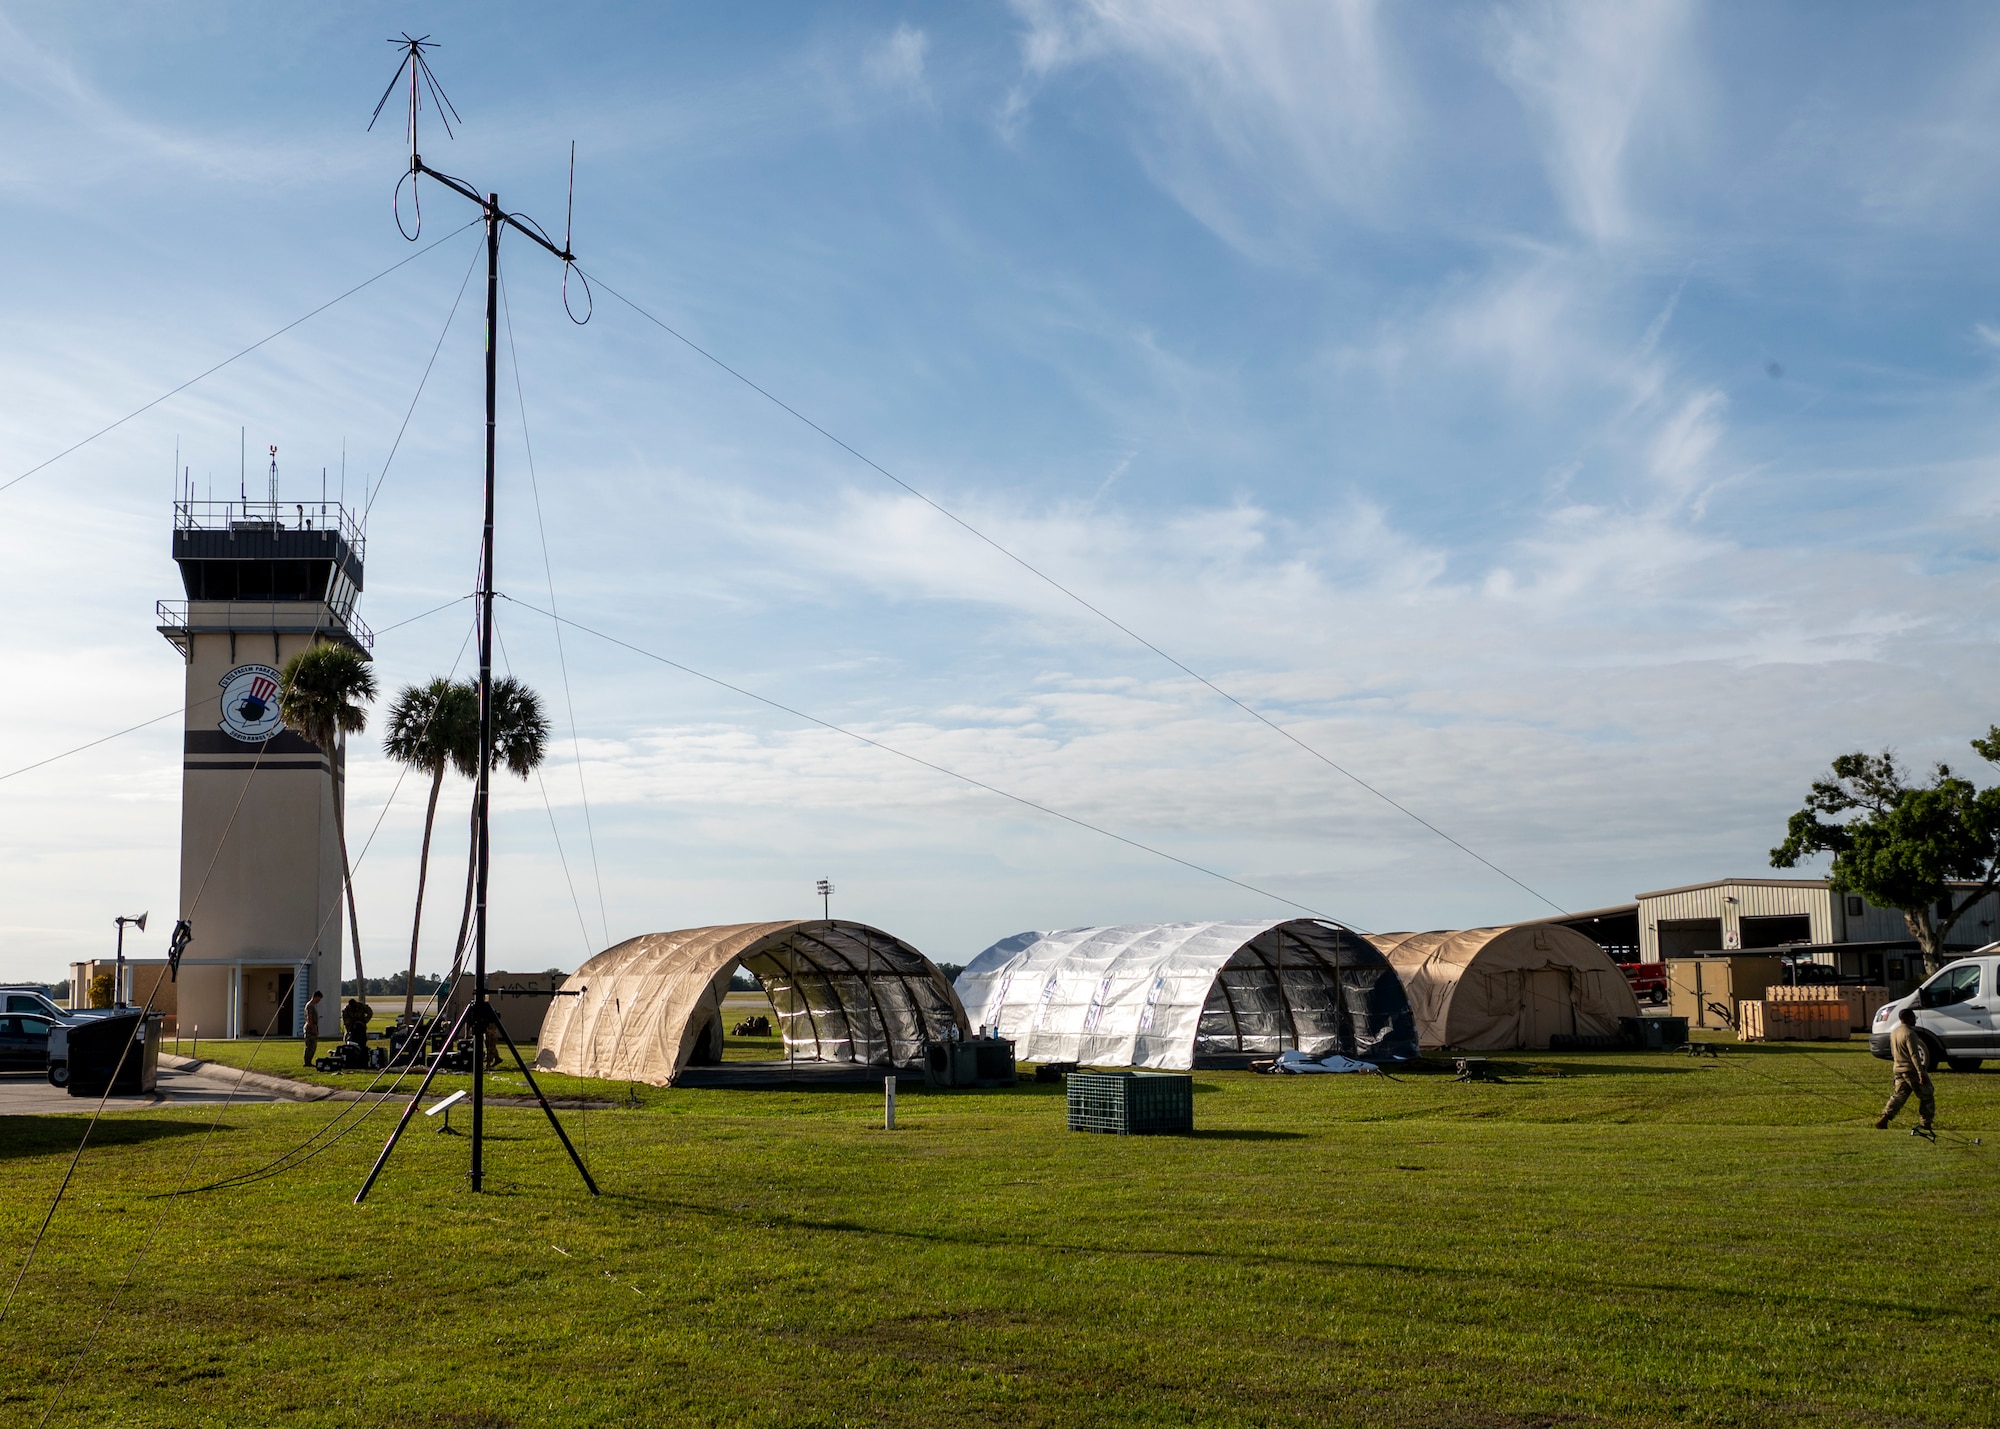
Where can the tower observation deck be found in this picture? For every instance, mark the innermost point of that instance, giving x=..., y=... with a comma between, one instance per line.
x=260, y=855
x=288, y=568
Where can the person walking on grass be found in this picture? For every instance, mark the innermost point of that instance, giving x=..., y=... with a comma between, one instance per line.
x=1906, y=1058
x=311, y=1029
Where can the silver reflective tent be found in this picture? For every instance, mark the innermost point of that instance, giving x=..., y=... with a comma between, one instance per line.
x=1161, y=995
x=843, y=992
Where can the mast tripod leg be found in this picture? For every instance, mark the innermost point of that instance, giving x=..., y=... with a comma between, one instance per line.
x=411, y=1110
x=535, y=1087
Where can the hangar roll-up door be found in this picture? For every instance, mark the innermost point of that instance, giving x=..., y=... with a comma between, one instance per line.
x=1684, y=937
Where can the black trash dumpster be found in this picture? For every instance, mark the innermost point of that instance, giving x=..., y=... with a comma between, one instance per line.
x=1654, y=1034
x=123, y=1043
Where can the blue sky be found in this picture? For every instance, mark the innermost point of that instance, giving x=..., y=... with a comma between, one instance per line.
x=1575, y=419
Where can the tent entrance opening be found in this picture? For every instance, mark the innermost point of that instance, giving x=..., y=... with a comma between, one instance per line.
x=843, y=994
x=1284, y=989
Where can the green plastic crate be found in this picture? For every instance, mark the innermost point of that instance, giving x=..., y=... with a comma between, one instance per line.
x=1131, y=1103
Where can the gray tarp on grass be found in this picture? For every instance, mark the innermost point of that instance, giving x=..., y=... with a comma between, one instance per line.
x=1160, y=995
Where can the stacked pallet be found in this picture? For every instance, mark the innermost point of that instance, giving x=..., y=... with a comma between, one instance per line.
x=1785, y=1020
x=1862, y=1002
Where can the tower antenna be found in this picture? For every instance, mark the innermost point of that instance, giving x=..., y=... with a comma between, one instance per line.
x=274, y=477
x=478, y=1018
x=418, y=69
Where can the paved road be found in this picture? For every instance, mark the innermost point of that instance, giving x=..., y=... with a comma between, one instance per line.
x=29, y=1093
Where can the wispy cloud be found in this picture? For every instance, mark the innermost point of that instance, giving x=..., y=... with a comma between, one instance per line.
x=1598, y=80
x=88, y=134
x=897, y=63
x=1300, y=103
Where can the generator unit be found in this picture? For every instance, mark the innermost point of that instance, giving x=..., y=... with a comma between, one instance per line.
x=974, y=1062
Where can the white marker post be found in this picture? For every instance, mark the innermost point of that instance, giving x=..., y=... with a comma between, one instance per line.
x=889, y=1103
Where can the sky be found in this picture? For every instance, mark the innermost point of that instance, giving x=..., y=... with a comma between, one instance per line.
x=1574, y=421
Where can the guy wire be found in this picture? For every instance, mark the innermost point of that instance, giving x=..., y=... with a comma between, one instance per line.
x=928, y=764
x=205, y=700
x=152, y=1231
x=63, y=1187
x=548, y=571
x=1050, y=580
x=140, y=411
x=417, y=396
x=583, y=928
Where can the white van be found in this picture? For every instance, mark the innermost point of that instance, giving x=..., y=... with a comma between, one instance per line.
x=1958, y=1013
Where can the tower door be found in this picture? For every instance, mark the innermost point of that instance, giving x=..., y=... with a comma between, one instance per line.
x=267, y=1002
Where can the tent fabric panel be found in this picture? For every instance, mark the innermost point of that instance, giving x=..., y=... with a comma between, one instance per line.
x=1509, y=987
x=643, y=1003
x=1118, y=996
x=1155, y=995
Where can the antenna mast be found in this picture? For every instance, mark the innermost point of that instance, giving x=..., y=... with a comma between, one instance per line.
x=274, y=476
x=478, y=1018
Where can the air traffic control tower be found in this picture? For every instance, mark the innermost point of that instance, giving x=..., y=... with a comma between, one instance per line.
x=260, y=860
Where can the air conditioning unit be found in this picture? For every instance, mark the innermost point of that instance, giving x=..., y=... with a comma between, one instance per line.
x=975, y=1062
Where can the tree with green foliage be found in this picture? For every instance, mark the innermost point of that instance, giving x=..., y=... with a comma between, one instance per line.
x=432, y=727
x=520, y=744
x=323, y=693
x=1931, y=850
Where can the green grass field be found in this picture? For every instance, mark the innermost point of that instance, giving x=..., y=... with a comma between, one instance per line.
x=1607, y=1239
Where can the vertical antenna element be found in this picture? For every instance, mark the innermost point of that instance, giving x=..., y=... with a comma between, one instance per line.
x=421, y=78
x=273, y=498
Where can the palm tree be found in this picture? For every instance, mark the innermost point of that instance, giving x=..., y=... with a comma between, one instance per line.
x=321, y=694
x=520, y=743
x=432, y=728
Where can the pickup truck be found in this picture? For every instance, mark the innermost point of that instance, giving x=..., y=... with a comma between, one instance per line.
x=1649, y=981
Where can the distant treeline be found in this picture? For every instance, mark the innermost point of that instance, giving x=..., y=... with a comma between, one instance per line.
x=393, y=986
x=426, y=983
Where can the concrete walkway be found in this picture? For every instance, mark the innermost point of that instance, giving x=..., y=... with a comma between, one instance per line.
x=189, y=1084
x=184, y=1081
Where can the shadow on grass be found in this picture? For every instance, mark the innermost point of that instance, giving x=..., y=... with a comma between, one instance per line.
x=1528, y=1068
x=48, y=1135
x=1441, y=1269
x=1243, y=1134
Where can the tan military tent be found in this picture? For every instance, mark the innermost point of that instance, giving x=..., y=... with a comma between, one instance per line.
x=1495, y=989
x=842, y=992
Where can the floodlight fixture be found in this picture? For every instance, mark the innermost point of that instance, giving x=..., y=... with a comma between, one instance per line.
x=118, y=977
x=825, y=891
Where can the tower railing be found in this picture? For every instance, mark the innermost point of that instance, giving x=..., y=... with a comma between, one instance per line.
x=176, y=623
x=203, y=515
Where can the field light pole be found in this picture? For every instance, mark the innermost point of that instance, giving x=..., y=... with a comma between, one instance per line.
x=825, y=892
x=118, y=976
x=478, y=1016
